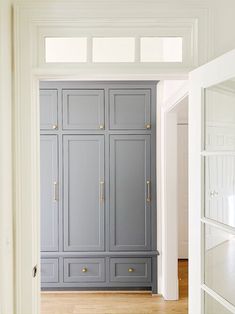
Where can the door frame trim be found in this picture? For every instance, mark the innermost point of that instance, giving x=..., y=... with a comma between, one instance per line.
x=26, y=137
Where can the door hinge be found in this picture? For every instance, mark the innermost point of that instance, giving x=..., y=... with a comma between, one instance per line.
x=35, y=271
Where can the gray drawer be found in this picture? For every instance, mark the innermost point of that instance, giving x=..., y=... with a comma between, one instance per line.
x=49, y=270
x=84, y=270
x=130, y=269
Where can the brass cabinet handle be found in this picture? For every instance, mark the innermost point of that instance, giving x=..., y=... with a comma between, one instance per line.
x=101, y=191
x=54, y=127
x=101, y=126
x=84, y=270
x=130, y=270
x=148, y=191
x=148, y=126
x=55, y=191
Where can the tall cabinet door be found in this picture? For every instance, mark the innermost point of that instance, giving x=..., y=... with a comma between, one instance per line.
x=130, y=192
x=49, y=193
x=83, y=192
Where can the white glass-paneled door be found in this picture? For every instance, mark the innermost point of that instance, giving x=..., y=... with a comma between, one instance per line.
x=212, y=187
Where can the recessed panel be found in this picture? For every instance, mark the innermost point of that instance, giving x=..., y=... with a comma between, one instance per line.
x=48, y=109
x=49, y=193
x=129, y=206
x=83, y=193
x=84, y=270
x=83, y=109
x=130, y=269
x=129, y=109
x=49, y=270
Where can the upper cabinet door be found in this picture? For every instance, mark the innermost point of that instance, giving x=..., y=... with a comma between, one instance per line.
x=48, y=109
x=130, y=109
x=130, y=192
x=49, y=193
x=83, y=109
x=84, y=196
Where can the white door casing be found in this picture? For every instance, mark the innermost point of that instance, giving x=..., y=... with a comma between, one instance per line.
x=32, y=21
x=169, y=190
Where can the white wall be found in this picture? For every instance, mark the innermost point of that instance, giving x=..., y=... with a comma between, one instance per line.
x=182, y=177
x=170, y=87
x=182, y=180
x=224, y=25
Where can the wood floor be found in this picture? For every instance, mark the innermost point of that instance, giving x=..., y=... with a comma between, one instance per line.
x=117, y=303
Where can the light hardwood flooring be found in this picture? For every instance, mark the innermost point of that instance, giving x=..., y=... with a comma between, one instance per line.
x=117, y=303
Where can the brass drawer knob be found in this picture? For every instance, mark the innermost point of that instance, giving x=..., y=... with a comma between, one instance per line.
x=101, y=127
x=148, y=126
x=84, y=270
x=54, y=127
x=130, y=270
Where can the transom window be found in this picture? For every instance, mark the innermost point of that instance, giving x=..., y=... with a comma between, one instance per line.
x=113, y=49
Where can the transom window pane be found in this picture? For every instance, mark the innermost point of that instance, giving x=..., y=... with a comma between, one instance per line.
x=113, y=49
x=67, y=49
x=161, y=49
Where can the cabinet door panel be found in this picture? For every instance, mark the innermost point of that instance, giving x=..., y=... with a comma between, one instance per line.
x=83, y=206
x=129, y=109
x=83, y=109
x=130, y=226
x=48, y=109
x=49, y=202
x=49, y=270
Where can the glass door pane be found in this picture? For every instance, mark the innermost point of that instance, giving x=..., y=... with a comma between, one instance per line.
x=220, y=117
x=220, y=262
x=220, y=189
x=218, y=217
x=214, y=307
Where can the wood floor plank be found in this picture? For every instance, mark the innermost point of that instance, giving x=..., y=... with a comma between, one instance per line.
x=117, y=303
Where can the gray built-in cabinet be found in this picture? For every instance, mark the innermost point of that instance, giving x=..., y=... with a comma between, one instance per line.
x=98, y=185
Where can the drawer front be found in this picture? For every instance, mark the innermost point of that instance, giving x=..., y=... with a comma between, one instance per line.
x=48, y=109
x=84, y=270
x=49, y=270
x=130, y=269
x=130, y=109
x=83, y=109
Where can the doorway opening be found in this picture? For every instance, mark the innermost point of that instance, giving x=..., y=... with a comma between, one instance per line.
x=98, y=190
x=182, y=193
